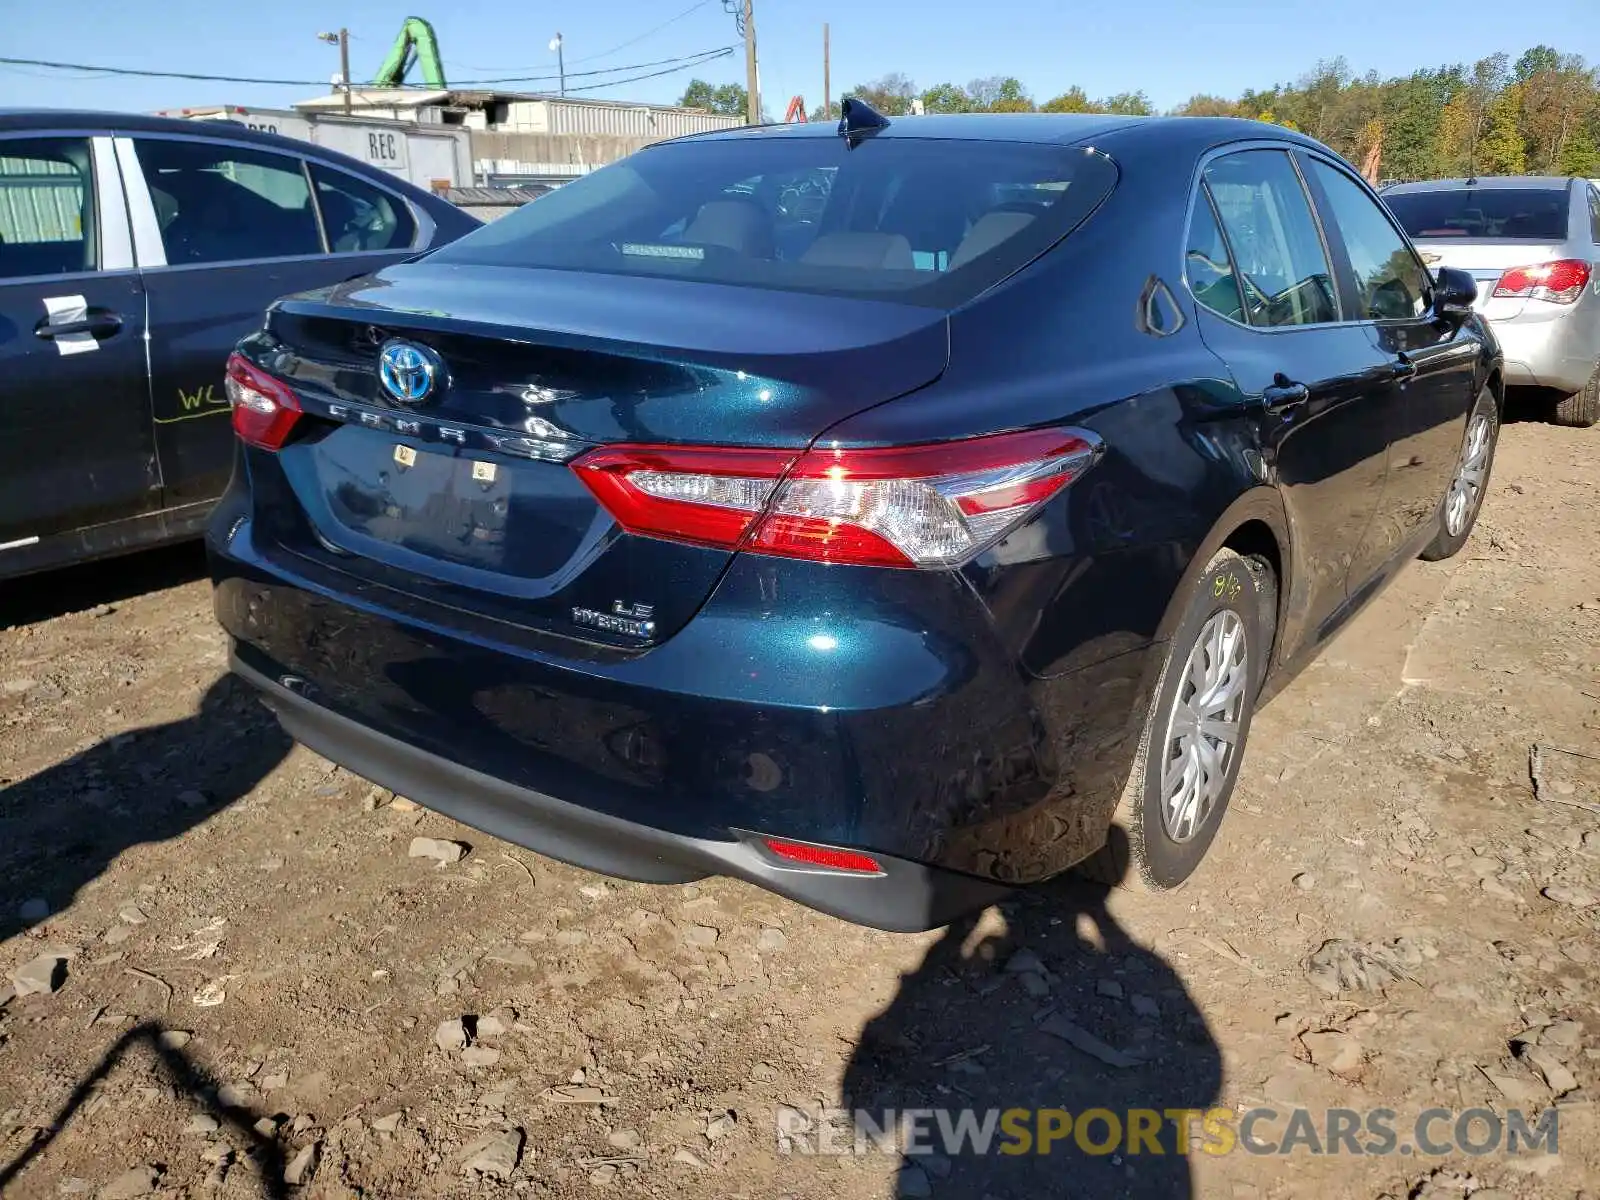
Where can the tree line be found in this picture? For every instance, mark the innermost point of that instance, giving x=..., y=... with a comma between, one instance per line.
x=1539, y=114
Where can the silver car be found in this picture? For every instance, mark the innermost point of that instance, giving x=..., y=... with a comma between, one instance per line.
x=1533, y=244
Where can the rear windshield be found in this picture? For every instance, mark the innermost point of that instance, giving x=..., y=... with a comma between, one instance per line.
x=1534, y=214
x=927, y=222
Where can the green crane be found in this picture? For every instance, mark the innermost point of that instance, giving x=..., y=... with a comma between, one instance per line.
x=418, y=46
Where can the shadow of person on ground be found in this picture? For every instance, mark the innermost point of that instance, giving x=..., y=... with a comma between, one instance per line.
x=60, y=828
x=187, y=1077
x=1024, y=1014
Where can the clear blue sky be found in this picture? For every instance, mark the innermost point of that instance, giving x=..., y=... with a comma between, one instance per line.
x=1168, y=48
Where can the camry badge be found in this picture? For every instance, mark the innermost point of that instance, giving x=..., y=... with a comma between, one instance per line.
x=408, y=372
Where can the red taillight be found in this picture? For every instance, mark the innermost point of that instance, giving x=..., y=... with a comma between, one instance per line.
x=903, y=506
x=264, y=409
x=830, y=857
x=1561, y=281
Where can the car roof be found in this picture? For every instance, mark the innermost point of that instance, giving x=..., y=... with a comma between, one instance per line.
x=24, y=119
x=1049, y=128
x=1554, y=183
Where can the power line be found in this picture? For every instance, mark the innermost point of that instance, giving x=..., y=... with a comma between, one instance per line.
x=619, y=46
x=647, y=33
x=680, y=63
x=595, y=87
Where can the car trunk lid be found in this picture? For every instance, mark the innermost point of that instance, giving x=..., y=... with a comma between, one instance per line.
x=1486, y=261
x=466, y=502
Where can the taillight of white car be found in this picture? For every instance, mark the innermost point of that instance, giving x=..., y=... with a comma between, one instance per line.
x=929, y=505
x=1560, y=282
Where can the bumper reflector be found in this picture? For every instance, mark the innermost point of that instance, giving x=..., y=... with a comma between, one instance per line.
x=829, y=857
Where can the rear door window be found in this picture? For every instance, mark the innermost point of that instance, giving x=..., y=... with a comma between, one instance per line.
x=1594, y=214
x=929, y=222
x=46, y=207
x=1531, y=214
x=219, y=203
x=1277, y=248
x=359, y=215
x=1389, y=280
x=1207, y=264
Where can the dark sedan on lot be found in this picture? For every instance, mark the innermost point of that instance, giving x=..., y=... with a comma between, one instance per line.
x=134, y=253
x=886, y=550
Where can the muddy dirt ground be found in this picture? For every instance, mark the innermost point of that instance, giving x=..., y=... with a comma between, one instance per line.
x=257, y=988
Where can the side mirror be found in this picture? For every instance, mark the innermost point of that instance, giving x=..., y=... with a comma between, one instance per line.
x=1453, y=292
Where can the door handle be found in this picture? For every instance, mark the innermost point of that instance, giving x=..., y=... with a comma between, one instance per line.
x=1402, y=369
x=1283, y=394
x=100, y=324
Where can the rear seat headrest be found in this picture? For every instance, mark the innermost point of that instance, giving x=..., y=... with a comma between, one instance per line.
x=864, y=251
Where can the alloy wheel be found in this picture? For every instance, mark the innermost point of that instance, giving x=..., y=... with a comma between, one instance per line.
x=1203, y=727
x=1467, y=486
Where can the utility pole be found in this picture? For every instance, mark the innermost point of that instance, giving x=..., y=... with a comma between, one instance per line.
x=752, y=79
x=559, y=45
x=341, y=40
x=344, y=66
x=827, y=83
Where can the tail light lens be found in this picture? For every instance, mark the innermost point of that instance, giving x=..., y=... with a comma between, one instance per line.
x=1560, y=282
x=904, y=506
x=264, y=409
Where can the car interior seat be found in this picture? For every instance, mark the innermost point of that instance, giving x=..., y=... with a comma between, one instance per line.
x=743, y=226
x=1000, y=223
x=863, y=251
x=341, y=220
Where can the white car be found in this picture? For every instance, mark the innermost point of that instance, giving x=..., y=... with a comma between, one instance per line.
x=1533, y=244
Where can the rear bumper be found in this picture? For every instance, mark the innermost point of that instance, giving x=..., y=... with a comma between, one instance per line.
x=1551, y=345
x=907, y=897
x=879, y=714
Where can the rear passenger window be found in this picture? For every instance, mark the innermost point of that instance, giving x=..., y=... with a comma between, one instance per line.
x=1278, y=252
x=359, y=215
x=46, y=207
x=1389, y=281
x=1207, y=264
x=1594, y=216
x=218, y=203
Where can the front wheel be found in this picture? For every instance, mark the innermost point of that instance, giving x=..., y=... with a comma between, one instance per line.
x=1459, y=512
x=1194, y=734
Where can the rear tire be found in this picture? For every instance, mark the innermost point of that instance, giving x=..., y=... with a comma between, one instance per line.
x=1455, y=525
x=1163, y=825
x=1581, y=409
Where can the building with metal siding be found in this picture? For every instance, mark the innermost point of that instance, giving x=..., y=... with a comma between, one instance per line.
x=520, y=137
x=40, y=201
x=523, y=112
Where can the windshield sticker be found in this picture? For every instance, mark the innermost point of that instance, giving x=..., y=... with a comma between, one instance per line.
x=655, y=250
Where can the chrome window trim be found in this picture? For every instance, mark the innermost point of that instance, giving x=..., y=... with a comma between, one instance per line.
x=116, y=235
x=148, y=247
